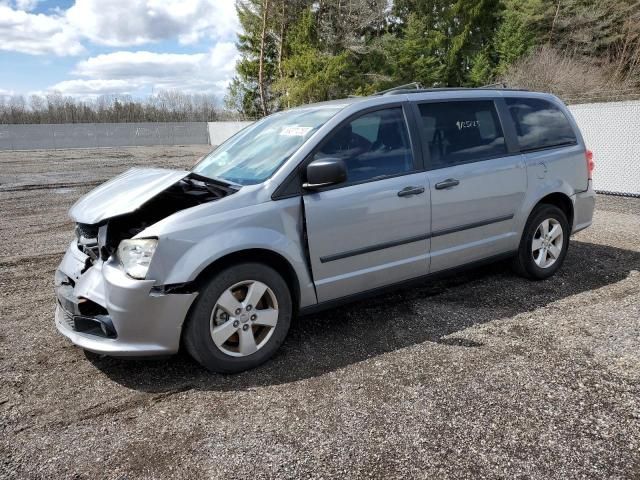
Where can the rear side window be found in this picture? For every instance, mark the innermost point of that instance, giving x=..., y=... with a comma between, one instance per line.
x=540, y=124
x=461, y=132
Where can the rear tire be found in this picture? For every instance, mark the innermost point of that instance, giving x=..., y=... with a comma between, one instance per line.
x=544, y=243
x=240, y=318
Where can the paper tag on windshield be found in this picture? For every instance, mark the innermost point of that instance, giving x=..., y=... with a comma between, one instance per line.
x=295, y=131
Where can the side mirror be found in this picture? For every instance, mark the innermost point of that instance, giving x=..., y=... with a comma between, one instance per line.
x=324, y=172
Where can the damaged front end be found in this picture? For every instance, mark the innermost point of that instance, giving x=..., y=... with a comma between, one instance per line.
x=102, y=308
x=106, y=217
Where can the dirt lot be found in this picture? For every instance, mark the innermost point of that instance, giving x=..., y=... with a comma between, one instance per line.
x=483, y=375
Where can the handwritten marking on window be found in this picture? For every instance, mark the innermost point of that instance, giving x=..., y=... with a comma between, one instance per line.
x=462, y=124
x=295, y=131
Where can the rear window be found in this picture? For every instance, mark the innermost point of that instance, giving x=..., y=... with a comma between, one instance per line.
x=540, y=124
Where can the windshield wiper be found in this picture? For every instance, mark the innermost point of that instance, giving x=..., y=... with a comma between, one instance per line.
x=219, y=181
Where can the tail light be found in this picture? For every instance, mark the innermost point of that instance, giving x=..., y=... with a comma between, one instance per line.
x=588, y=155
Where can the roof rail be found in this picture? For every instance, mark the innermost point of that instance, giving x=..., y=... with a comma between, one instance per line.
x=403, y=88
x=495, y=85
x=416, y=87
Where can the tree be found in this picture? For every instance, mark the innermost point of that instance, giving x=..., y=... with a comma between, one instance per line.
x=576, y=48
x=299, y=51
x=257, y=67
x=456, y=32
x=165, y=106
x=482, y=69
x=413, y=57
x=310, y=74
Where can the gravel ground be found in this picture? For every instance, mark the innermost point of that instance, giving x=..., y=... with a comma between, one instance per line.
x=483, y=375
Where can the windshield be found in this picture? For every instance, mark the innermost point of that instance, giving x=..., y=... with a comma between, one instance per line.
x=255, y=153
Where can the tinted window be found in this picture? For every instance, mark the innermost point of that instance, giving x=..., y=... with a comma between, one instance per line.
x=459, y=132
x=540, y=124
x=373, y=145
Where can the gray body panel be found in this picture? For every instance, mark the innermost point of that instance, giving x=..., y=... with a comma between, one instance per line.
x=343, y=222
x=338, y=242
x=193, y=239
x=488, y=196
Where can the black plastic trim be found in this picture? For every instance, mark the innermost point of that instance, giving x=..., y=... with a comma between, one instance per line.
x=290, y=187
x=418, y=238
x=372, y=248
x=508, y=127
x=468, y=226
x=549, y=147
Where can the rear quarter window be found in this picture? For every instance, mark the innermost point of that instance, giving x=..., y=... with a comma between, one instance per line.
x=540, y=124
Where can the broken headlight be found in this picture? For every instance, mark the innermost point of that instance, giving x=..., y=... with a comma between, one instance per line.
x=135, y=256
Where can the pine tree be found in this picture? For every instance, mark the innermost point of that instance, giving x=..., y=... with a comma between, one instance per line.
x=455, y=32
x=309, y=73
x=413, y=57
x=516, y=35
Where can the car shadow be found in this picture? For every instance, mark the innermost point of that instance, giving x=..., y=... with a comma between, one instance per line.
x=430, y=312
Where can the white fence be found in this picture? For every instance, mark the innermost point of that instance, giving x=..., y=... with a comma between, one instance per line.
x=220, y=131
x=612, y=131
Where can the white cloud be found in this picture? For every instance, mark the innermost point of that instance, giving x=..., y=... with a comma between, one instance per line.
x=128, y=72
x=121, y=23
x=94, y=87
x=26, y=4
x=115, y=23
x=36, y=34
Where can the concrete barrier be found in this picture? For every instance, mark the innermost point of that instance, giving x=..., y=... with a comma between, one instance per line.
x=92, y=135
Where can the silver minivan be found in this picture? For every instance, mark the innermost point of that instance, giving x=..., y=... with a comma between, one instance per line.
x=319, y=205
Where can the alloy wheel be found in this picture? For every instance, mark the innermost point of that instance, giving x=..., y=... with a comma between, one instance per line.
x=547, y=243
x=244, y=318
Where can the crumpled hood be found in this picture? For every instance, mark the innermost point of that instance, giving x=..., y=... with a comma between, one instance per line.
x=123, y=194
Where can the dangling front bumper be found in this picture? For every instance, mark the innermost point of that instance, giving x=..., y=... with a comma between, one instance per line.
x=103, y=310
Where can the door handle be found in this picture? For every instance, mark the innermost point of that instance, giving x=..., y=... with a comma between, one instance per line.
x=448, y=183
x=407, y=191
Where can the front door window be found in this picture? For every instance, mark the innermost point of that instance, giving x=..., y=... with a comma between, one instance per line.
x=374, y=145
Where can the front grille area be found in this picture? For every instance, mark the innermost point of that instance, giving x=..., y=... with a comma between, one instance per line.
x=82, y=315
x=67, y=318
x=86, y=230
x=87, y=239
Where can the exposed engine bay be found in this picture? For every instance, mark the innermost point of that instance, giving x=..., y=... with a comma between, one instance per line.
x=101, y=240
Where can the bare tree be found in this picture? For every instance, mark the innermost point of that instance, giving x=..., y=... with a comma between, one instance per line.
x=165, y=106
x=263, y=38
x=572, y=78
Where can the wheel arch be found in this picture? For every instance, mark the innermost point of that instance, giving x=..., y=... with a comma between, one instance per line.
x=560, y=200
x=255, y=255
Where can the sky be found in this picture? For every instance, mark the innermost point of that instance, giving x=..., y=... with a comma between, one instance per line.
x=87, y=48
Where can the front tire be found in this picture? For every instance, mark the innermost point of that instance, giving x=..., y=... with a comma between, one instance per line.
x=544, y=243
x=240, y=318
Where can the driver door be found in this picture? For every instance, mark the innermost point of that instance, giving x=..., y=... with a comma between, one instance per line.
x=372, y=230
